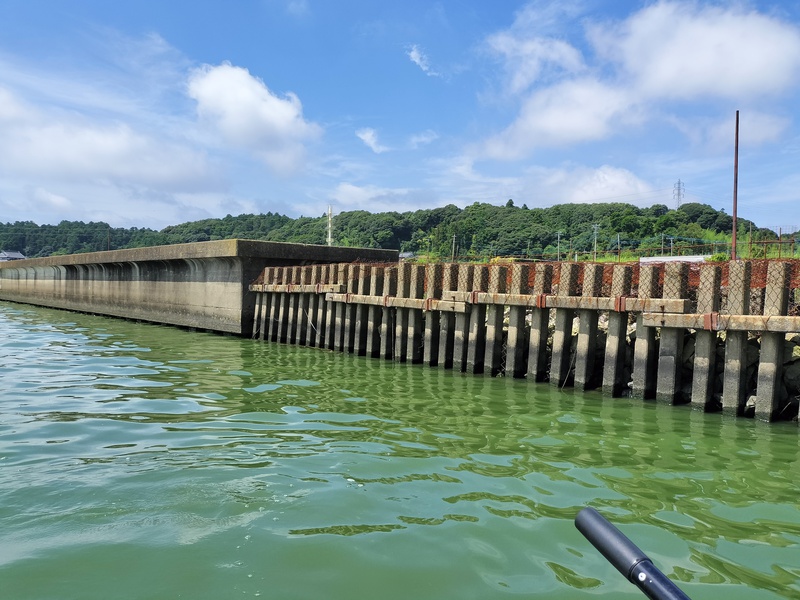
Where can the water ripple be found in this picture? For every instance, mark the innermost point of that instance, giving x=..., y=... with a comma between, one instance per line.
x=220, y=466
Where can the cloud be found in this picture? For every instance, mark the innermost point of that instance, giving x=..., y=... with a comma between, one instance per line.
x=461, y=182
x=370, y=137
x=686, y=50
x=48, y=200
x=755, y=129
x=375, y=199
x=569, y=112
x=41, y=143
x=298, y=8
x=528, y=57
x=637, y=70
x=422, y=139
x=419, y=58
x=582, y=184
x=245, y=113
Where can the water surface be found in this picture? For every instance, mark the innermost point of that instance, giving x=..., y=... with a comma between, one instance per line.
x=139, y=461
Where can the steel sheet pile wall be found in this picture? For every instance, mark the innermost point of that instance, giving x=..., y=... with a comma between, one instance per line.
x=713, y=335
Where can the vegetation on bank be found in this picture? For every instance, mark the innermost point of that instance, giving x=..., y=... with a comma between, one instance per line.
x=610, y=231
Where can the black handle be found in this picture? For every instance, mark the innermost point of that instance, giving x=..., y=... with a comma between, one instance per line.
x=626, y=557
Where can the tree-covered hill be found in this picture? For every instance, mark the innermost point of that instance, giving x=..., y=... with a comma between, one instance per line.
x=477, y=230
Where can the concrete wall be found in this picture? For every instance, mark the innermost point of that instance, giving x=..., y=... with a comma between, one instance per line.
x=202, y=285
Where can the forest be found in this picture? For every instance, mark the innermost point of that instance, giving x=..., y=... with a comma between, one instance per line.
x=479, y=231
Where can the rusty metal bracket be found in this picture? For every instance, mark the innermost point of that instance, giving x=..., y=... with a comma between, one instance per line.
x=541, y=301
x=619, y=303
x=711, y=321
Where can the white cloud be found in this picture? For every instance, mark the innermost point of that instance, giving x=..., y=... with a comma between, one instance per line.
x=246, y=114
x=461, y=182
x=370, y=137
x=134, y=79
x=56, y=144
x=47, y=200
x=298, y=8
x=755, y=128
x=375, y=199
x=527, y=59
x=666, y=53
x=422, y=139
x=571, y=111
x=351, y=195
x=419, y=58
x=12, y=109
x=685, y=50
x=586, y=184
x=533, y=47
x=456, y=180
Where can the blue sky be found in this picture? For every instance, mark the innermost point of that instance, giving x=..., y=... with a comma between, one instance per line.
x=150, y=113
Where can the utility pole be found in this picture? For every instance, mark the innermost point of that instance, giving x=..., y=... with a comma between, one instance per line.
x=558, y=246
x=595, y=227
x=677, y=194
x=454, y=247
x=330, y=225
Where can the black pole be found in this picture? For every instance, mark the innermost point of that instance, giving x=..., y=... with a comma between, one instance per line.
x=626, y=556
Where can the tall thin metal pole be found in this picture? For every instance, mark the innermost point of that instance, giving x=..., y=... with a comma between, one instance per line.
x=558, y=249
x=330, y=225
x=735, y=186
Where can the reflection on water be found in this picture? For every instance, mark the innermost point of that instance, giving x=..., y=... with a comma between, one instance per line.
x=143, y=461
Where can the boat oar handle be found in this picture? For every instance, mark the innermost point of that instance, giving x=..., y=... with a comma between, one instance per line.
x=626, y=557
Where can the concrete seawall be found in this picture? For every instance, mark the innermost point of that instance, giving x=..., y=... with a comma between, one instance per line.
x=201, y=285
x=719, y=337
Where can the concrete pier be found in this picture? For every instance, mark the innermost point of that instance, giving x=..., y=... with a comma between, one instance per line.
x=203, y=285
x=734, y=382
x=770, y=365
x=587, y=328
x=562, y=333
x=461, y=339
x=517, y=348
x=493, y=358
x=705, y=349
x=616, y=348
x=495, y=320
x=476, y=349
x=645, y=350
x=670, y=352
x=540, y=318
x=434, y=283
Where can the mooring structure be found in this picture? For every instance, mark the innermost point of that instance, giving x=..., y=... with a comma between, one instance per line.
x=716, y=336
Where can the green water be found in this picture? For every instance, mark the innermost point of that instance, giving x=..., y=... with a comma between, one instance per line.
x=139, y=461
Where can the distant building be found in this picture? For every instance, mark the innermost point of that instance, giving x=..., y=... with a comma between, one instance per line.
x=6, y=256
